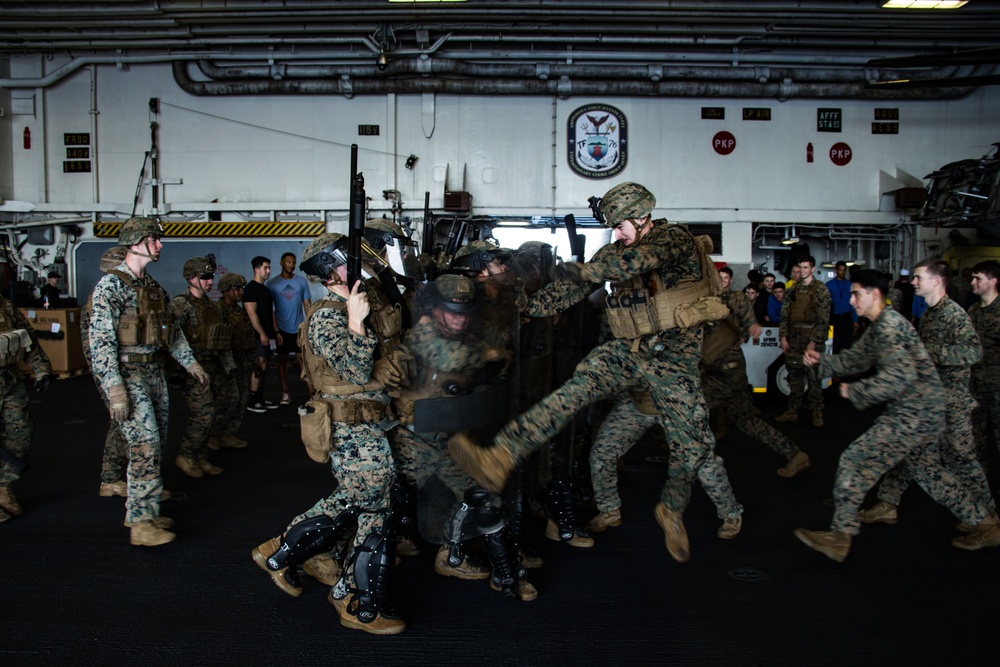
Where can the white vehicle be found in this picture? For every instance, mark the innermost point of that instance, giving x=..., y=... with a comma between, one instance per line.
x=766, y=369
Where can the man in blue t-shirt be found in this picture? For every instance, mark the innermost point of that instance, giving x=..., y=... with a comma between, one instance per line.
x=291, y=301
x=842, y=316
x=774, y=304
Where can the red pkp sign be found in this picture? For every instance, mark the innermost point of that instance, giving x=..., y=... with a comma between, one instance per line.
x=840, y=154
x=723, y=143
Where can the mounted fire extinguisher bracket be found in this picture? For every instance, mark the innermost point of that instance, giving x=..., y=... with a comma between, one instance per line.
x=27, y=138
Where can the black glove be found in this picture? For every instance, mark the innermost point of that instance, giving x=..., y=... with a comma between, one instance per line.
x=42, y=383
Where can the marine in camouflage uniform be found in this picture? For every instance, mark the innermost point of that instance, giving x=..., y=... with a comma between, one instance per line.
x=114, y=460
x=725, y=383
x=449, y=363
x=343, y=352
x=211, y=341
x=805, y=320
x=15, y=420
x=131, y=372
x=905, y=434
x=985, y=384
x=947, y=333
x=231, y=404
x=648, y=253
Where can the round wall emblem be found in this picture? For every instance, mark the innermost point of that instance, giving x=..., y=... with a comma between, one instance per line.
x=840, y=153
x=724, y=142
x=598, y=141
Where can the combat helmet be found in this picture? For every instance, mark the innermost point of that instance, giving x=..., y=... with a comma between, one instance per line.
x=137, y=228
x=199, y=266
x=323, y=254
x=474, y=256
x=112, y=257
x=626, y=201
x=455, y=293
x=533, y=263
x=231, y=280
x=380, y=232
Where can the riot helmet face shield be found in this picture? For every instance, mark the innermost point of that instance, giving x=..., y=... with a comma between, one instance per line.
x=322, y=266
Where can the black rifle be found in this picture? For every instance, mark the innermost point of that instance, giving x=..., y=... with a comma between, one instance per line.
x=427, y=239
x=577, y=242
x=356, y=221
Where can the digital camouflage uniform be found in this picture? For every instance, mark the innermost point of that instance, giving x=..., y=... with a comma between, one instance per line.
x=985, y=384
x=906, y=433
x=665, y=362
x=229, y=412
x=145, y=429
x=203, y=400
x=360, y=458
x=800, y=325
x=114, y=459
x=15, y=420
x=947, y=333
x=725, y=383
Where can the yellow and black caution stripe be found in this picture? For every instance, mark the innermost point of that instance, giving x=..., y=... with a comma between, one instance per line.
x=224, y=229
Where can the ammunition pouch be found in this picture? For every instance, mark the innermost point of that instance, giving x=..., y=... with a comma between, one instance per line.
x=719, y=339
x=13, y=345
x=150, y=323
x=316, y=419
x=643, y=401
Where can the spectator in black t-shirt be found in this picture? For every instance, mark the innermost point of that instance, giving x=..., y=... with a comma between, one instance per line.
x=259, y=304
x=50, y=291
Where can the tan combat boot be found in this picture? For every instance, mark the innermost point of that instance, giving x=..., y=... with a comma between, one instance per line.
x=407, y=547
x=526, y=591
x=163, y=522
x=189, y=467
x=4, y=516
x=789, y=415
x=986, y=534
x=577, y=540
x=232, y=442
x=9, y=503
x=880, y=512
x=490, y=466
x=675, y=535
x=347, y=609
x=208, y=468
x=830, y=543
x=817, y=418
x=262, y=553
x=795, y=465
x=466, y=569
x=147, y=534
x=109, y=489
x=214, y=444
x=323, y=568
x=605, y=520
x=730, y=528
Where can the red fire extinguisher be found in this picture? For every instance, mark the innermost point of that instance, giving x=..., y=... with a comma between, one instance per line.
x=27, y=138
x=809, y=152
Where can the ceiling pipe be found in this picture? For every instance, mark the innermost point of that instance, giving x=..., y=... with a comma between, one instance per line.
x=562, y=87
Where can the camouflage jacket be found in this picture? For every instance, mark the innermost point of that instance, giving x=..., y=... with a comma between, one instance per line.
x=668, y=249
x=953, y=345
x=349, y=354
x=817, y=311
x=186, y=315
x=236, y=316
x=905, y=377
x=741, y=314
x=35, y=357
x=557, y=297
x=986, y=321
x=111, y=297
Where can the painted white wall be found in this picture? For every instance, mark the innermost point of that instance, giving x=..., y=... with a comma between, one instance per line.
x=287, y=153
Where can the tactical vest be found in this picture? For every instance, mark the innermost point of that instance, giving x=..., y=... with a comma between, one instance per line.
x=316, y=370
x=244, y=335
x=800, y=307
x=13, y=342
x=150, y=323
x=211, y=334
x=643, y=305
x=385, y=318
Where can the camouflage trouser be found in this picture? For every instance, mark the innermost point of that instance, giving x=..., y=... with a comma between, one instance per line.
x=144, y=431
x=244, y=366
x=798, y=374
x=620, y=430
x=114, y=459
x=986, y=421
x=908, y=440
x=200, y=400
x=673, y=380
x=15, y=422
x=725, y=386
x=226, y=392
x=958, y=455
x=362, y=464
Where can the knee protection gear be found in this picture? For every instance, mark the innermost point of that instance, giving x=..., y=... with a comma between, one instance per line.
x=310, y=537
x=561, y=507
x=373, y=562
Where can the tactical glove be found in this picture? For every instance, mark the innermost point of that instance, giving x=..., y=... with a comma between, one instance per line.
x=118, y=402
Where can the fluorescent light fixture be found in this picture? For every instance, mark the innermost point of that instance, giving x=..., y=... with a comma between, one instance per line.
x=923, y=4
x=791, y=240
